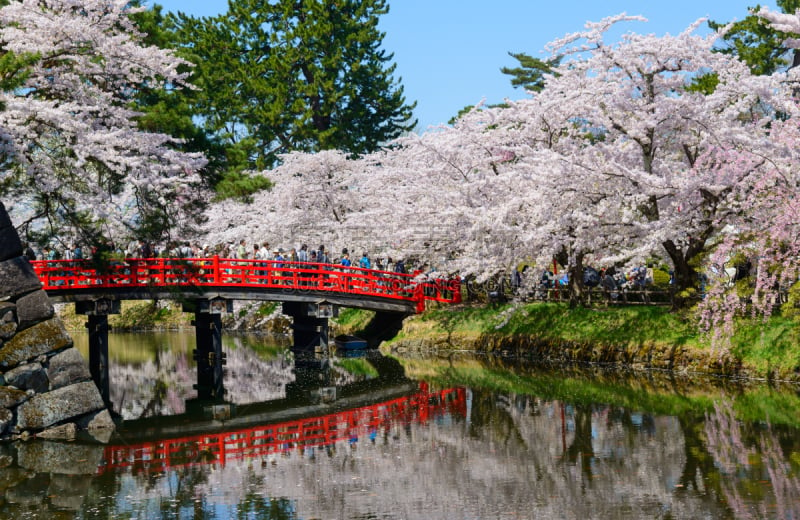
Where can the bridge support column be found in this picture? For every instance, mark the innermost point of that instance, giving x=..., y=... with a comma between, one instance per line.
x=208, y=355
x=309, y=324
x=97, y=325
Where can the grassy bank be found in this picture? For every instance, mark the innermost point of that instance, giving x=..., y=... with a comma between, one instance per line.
x=635, y=335
x=134, y=316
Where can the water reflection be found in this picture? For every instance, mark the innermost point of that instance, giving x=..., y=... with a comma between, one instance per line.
x=483, y=439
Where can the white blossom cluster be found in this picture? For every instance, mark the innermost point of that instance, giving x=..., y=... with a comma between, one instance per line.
x=67, y=132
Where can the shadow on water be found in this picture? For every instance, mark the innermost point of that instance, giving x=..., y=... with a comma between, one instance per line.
x=319, y=437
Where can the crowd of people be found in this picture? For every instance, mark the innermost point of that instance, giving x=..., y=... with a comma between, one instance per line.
x=613, y=282
x=232, y=250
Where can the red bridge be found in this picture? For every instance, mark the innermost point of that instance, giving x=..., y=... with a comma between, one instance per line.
x=267, y=280
x=310, y=293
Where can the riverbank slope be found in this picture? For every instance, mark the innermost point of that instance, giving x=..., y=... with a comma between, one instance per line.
x=637, y=337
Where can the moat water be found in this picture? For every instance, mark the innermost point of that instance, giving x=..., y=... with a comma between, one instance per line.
x=455, y=436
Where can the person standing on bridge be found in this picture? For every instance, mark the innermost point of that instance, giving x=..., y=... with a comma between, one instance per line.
x=322, y=257
x=364, y=263
x=262, y=254
x=277, y=263
x=302, y=254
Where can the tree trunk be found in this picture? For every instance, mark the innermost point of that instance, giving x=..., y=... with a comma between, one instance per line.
x=685, y=280
x=577, y=294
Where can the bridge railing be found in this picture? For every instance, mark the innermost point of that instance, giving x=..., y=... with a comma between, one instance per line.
x=226, y=272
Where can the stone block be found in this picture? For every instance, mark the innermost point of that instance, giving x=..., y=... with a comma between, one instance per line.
x=67, y=368
x=6, y=420
x=5, y=220
x=60, y=458
x=29, y=377
x=11, y=475
x=10, y=246
x=33, y=308
x=7, y=330
x=62, y=432
x=62, y=405
x=17, y=278
x=8, y=320
x=8, y=312
x=43, y=338
x=11, y=397
x=100, y=421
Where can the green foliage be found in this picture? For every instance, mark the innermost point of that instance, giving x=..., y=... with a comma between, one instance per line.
x=267, y=308
x=705, y=84
x=531, y=72
x=758, y=45
x=622, y=325
x=660, y=279
x=767, y=348
x=283, y=76
x=15, y=69
x=135, y=315
x=792, y=307
x=241, y=186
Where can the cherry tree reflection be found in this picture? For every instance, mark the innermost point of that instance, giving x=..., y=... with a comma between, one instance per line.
x=758, y=480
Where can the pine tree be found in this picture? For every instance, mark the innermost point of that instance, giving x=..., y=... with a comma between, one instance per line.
x=293, y=75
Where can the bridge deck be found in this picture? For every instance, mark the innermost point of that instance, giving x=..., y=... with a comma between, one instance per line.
x=267, y=280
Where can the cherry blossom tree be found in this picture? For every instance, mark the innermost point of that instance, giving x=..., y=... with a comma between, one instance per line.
x=767, y=234
x=660, y=165
x=623, y=154
x=74, y=159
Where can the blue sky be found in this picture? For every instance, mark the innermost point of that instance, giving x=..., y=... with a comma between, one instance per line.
x=449, y=52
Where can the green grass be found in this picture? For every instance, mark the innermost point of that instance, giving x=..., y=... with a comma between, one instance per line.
x=350, y=320
x=617, y=325
x=768, y=349
x=772, y=347
x=135, y=315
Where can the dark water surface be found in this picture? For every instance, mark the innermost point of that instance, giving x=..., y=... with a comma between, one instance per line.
x=457, y=437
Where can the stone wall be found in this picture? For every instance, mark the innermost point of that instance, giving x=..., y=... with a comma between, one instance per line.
x=45, y=386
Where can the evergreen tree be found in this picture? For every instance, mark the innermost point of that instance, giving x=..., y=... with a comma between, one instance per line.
x=169, y=111
x=758, y=44
x=293, y=75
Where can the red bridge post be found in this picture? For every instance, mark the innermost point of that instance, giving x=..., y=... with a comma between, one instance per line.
x=217, y=274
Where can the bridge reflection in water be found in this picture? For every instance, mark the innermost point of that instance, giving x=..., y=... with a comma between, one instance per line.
x=260, y=442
